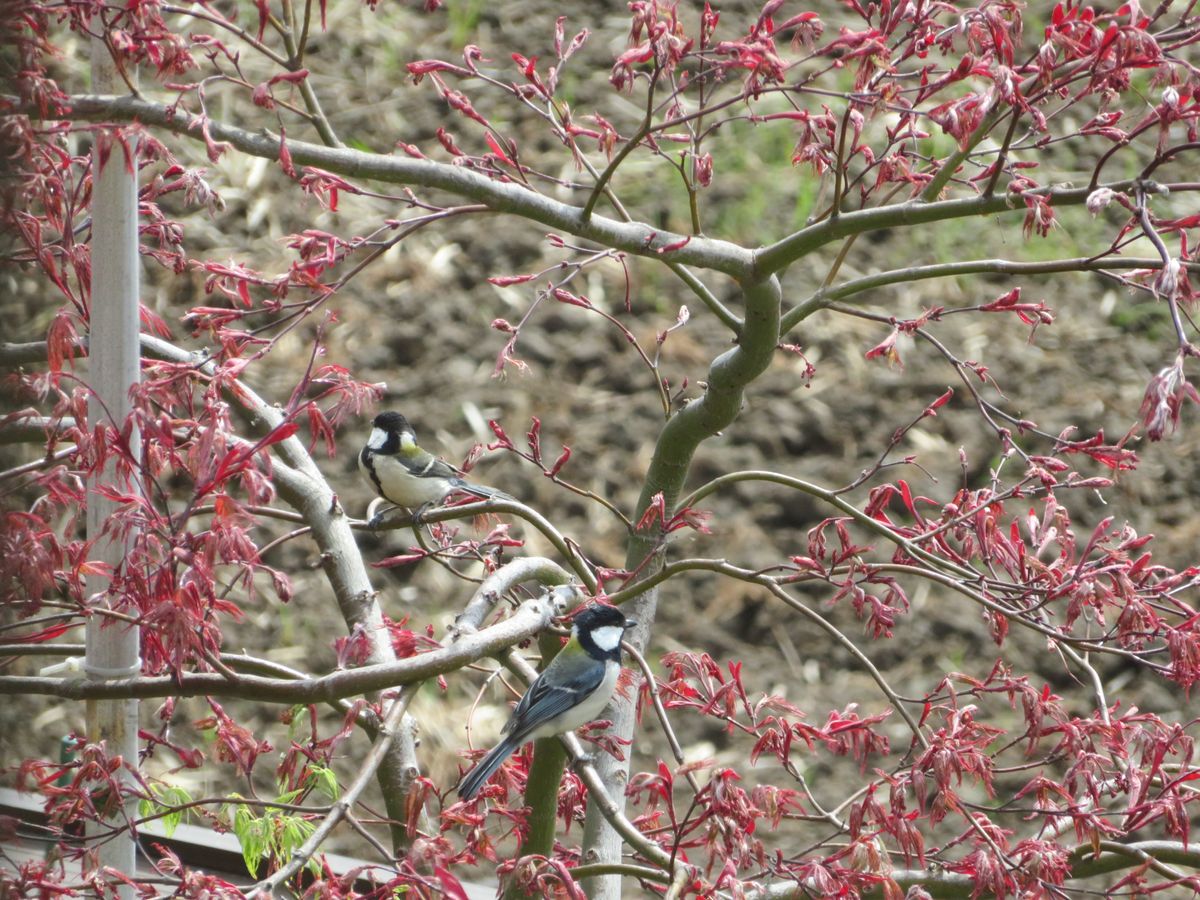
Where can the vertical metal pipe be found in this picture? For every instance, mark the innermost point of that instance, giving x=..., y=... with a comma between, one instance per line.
x=114, y=359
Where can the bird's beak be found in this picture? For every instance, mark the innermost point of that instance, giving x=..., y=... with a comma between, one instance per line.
x=629, y=623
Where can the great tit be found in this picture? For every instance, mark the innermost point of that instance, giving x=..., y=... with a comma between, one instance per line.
x=402, y=473
x=570, y=692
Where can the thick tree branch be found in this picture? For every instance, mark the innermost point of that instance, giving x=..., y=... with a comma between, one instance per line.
x=545, y=572
x=516, y=199
x=528, y=620
x=19, y=354
x=301, y=483
x=772, y=258
x=827, y=295
x=728, y=376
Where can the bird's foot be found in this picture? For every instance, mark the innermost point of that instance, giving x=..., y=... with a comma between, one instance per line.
x=586, y=759
x=418, y=516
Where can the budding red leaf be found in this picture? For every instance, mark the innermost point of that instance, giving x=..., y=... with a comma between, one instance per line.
x=285, y=155
x=502, y=442
x=560, y=462
x=509, y=280
x=1164, y=399
x=534, y=439
x=886, y=349
x=562, y=295
x=494, y=143
x=674, y=245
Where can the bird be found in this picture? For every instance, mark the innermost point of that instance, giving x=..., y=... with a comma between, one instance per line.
x=402, y=473
x=569, y=693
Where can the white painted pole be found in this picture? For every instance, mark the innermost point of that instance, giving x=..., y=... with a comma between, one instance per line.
x=113, y=363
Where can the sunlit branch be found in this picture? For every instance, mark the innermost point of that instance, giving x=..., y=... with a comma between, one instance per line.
x=827, y=295
x=779, y=254
x=528, y=620
x=511, y=575
x=515, y=199
x=567, y=548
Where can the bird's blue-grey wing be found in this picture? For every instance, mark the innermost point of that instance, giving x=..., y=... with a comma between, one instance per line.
x=426, y=465
x=543, y=701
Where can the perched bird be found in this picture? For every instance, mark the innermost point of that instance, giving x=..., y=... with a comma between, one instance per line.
x=570, y=692
x=404, y=474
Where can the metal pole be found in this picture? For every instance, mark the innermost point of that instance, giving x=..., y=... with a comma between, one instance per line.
x=114, y=357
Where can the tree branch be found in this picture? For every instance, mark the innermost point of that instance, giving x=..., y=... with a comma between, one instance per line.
x=1085, y=863
x=579, y=566
x=728, y=376
x=635, y=238
x=530, y=618
x=774, y=257
x=827, y=295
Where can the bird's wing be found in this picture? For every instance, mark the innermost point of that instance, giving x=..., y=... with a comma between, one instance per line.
x=426, y=465
x=543, y=701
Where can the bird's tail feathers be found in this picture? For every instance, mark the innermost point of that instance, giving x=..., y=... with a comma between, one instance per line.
x=482, y=491
x=486, y=767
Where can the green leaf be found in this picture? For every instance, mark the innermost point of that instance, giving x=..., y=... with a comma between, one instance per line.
x=323, y=780
x=289, y=796
x=253, y=833
x=163, y=805
x=295, y=718
x=292, y=834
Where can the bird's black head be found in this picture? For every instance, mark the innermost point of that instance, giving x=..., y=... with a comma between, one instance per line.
x=599, y=629
x=392, y=423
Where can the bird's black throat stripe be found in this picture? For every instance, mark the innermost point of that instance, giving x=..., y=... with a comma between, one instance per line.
x=368, y=460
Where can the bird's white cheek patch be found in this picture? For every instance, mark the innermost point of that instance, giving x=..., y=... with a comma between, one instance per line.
x=377, y=439
x=608, y=637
